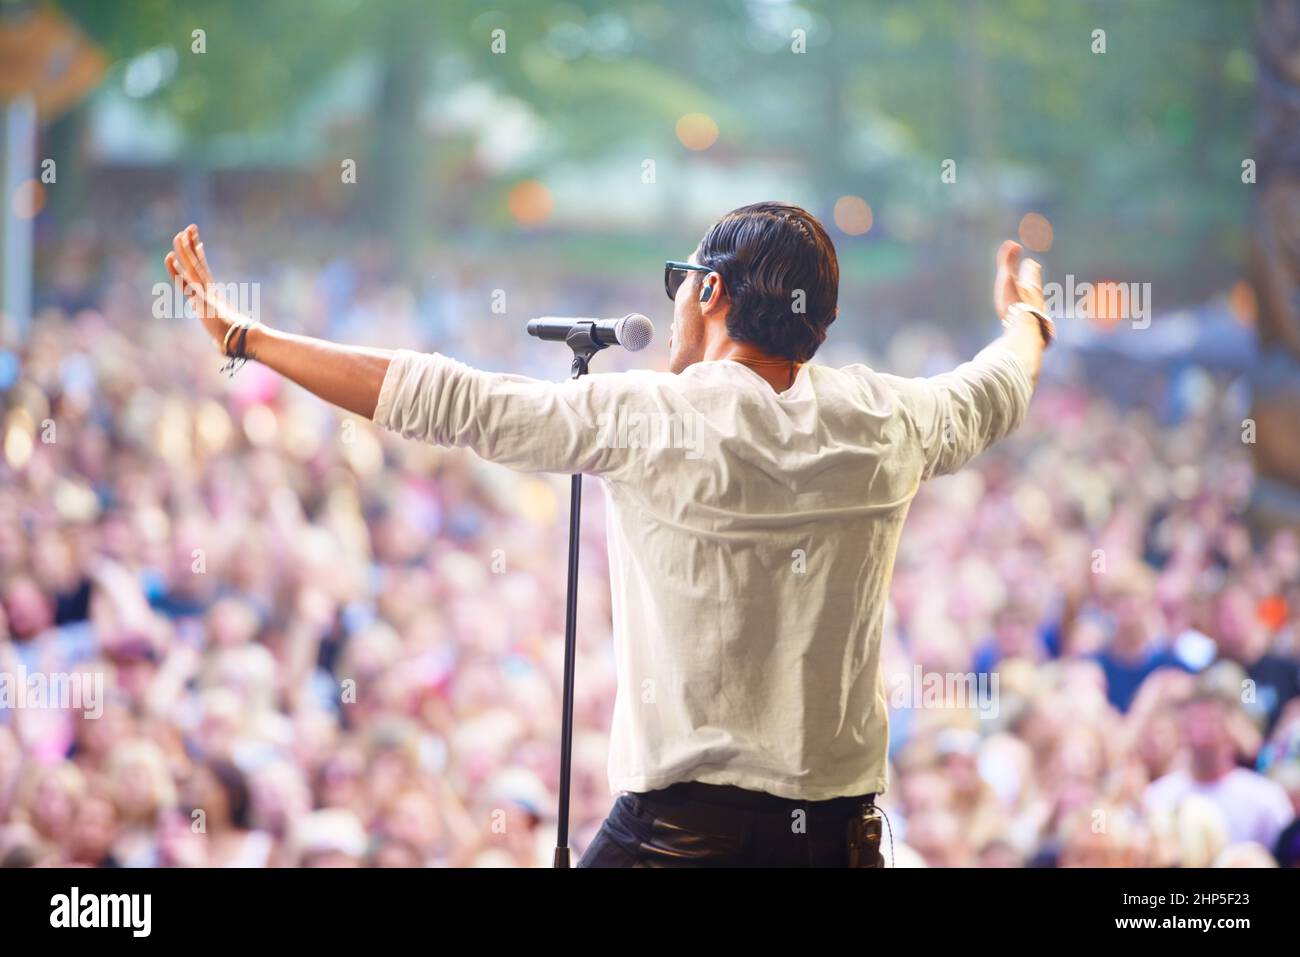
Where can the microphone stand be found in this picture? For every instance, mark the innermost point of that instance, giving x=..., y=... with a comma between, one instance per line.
x=584, y=346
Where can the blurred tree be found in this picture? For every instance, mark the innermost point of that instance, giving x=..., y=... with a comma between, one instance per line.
x=1042, y=106
x=1274, y=264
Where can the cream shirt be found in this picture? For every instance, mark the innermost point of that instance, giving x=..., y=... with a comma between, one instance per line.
x=751, y=542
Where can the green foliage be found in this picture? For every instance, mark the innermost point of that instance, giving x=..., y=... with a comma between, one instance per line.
x=1132, y=152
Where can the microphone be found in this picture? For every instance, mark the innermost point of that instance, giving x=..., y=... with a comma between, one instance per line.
x=633, y=332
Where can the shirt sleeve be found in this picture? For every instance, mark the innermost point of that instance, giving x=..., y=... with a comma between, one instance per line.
x=959, y=414
x=530, y=425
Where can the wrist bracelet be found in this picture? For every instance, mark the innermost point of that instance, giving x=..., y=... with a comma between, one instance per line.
x=225, y=344
x=236, y=361
x=1046, y=328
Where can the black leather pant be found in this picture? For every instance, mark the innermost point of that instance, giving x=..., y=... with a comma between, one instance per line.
x=707, y=825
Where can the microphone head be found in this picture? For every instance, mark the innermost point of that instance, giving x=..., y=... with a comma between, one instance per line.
x=634, y=332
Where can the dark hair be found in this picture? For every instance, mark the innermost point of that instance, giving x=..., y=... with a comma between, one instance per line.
x=233, y=782
x=766, y=253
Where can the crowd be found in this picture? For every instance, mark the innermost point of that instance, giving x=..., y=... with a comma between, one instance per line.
x=318, y=644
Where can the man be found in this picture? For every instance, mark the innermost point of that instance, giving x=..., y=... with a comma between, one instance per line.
x=1254, y=807
x=749, y=570
x=1137, y=647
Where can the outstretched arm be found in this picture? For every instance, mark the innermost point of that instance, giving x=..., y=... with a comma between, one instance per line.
x=347, y=376
x=960, y=413
x=526, y=424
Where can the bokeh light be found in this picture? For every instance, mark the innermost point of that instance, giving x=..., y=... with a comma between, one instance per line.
x=28, y=199
x=853, y=215
x=697, y=131
x=1107, y=303
x=530, y=202
x=1036, y=232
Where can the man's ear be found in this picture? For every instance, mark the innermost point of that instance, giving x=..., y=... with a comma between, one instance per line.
x=713, y=293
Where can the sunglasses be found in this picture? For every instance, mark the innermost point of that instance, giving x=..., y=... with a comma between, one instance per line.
x=675, y=275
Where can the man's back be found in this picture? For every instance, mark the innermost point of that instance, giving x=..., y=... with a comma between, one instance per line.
x=752, y=536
